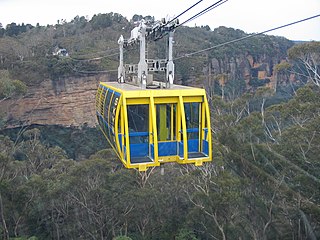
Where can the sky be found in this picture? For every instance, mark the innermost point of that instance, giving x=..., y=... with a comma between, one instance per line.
x=251, y=16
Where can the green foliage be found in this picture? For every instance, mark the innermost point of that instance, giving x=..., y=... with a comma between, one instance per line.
x=302, y=50
x=81, y=22
x=305, y=95
x=136, y=17
x=19, y=87
x=77, y=143
x=59, y=182
x=85, y=39
x=255, y=187
x=282, y=67
x=31, y=72
x=186, y=234
x=307, y=60
x=59, y=67
x=10, y=88
x=2, y=30
x=31, y=59
x=105, y=20
x=122, y=238
x=24, y=238
x=256, y=83
x=13, y=29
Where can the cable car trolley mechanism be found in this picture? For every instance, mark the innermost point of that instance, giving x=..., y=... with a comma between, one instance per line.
x=148, y=122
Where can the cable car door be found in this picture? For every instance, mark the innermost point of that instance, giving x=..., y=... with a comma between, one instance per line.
x=138, y=125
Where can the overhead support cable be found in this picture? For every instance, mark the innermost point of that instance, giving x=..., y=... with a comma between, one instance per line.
x=88, y=72
x=93, y=59
x=246, y=37
x=94, y=72
x=91, y=72
x=99, y=52
x=183, y=12
x=211, y=7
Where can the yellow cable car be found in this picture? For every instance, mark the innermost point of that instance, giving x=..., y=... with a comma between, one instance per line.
x=147, y=127
x=147, y=122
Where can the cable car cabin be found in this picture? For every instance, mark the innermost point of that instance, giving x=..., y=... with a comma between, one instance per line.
x=148, y=123
x=148, y=127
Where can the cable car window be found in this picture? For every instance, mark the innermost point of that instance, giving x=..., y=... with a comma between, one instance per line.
x=138, y=123
x=166, y=122
x=113, y=108
x=107, y=102
x=112, y=115
x=192, y=119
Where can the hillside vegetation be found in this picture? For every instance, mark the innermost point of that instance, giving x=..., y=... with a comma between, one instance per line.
x=263, y=182
x=27, y=51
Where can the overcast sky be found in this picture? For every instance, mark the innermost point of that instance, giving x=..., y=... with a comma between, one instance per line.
x=248, y=15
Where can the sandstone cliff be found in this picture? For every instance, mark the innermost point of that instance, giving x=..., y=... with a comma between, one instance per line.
x=68, y=102
x=71, y=101
x=254, y=71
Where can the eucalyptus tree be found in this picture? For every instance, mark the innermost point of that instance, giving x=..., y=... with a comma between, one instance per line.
x=307, y=54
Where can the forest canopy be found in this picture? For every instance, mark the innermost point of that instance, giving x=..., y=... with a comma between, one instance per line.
x=263, y=183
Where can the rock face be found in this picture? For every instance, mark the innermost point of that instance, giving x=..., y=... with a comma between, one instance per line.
x=71, y=101
x=68, y=102
x=247, y=67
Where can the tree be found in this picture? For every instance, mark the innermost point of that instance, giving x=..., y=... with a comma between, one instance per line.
x=122, y=238
x=222, y=79
x=9, y=87
x=136, y=18
x=186, y=234
x=218, y=195
x=101, y=21
x=80, y=21
x=13, y=29
x=9, y=181
x=2, y=30
x=281, y=72
x=308, y=54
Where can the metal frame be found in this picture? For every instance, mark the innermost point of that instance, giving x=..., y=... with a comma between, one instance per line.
x=140, y=71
